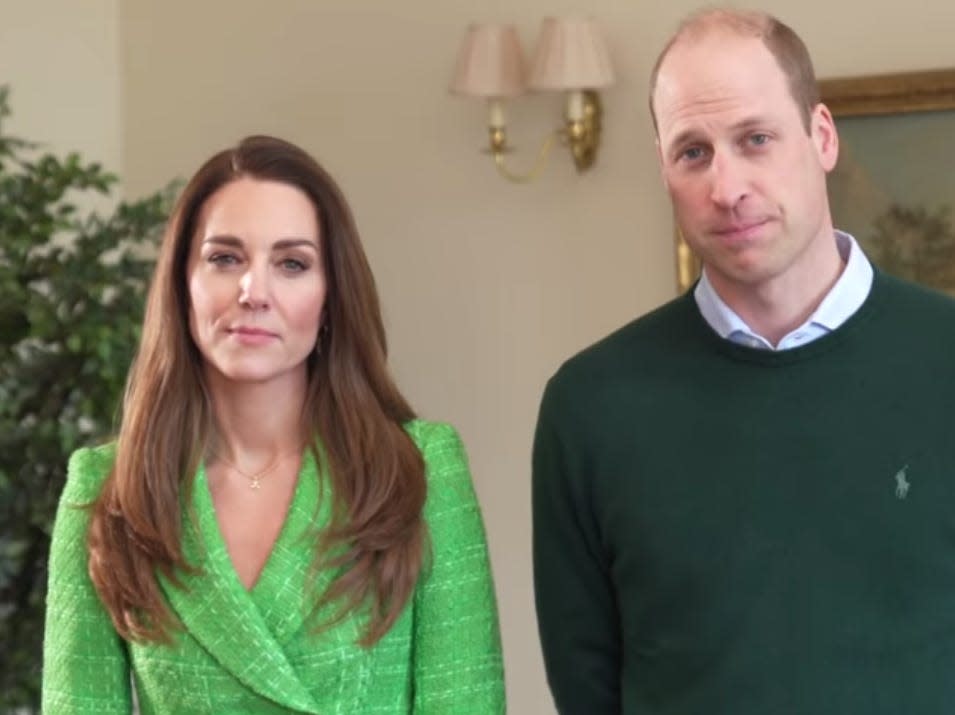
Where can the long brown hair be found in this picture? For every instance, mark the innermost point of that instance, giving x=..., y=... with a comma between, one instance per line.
x=376, y=537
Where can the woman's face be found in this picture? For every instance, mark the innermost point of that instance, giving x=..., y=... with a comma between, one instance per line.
x=256, y=281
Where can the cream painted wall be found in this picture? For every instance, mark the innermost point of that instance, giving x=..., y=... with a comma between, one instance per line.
x=61, y=61
x=487, y=286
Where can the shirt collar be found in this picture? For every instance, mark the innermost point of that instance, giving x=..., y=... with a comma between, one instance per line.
x=850, y=290
x=844, y=298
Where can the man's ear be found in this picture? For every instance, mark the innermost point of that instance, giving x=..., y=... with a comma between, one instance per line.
x=824, y=136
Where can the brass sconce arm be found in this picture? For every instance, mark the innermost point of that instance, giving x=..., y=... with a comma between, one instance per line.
x=571, y=57
x=499, y=148
x=581, y=135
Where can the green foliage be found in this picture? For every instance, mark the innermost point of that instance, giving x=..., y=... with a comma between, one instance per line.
x=72, y=285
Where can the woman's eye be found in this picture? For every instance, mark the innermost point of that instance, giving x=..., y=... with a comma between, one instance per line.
x=223, y=259
x=293, y=265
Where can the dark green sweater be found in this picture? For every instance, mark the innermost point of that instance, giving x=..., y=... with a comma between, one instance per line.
x=719, y=529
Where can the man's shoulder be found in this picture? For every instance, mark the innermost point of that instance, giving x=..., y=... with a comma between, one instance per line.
x=913, y=313
x=905, y=294
x=644, y=340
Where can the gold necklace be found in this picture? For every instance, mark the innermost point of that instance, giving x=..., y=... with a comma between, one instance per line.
x=255, y=479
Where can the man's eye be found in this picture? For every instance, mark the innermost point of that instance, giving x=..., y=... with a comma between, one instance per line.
x=758, y=139
x=694, y=153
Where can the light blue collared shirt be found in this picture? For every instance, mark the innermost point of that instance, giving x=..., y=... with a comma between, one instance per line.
x=843, y=299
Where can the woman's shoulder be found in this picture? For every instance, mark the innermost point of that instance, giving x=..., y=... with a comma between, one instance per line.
x=440, y=446
x=87, y=470
x=432, y=436
x=446, y=463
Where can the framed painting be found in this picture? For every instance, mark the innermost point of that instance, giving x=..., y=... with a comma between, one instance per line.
x=894, y=185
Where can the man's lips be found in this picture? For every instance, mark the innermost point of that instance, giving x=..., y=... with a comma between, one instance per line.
x=740, y=230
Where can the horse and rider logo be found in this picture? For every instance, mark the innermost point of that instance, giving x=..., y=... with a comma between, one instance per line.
x=902, y=484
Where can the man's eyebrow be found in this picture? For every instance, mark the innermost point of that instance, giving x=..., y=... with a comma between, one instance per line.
x=750, y=123
x=691, y=136
x=684, y=137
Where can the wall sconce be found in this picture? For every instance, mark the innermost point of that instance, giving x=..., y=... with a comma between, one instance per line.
x=571, y=57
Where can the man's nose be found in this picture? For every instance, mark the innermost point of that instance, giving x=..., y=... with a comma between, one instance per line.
x=728, y=181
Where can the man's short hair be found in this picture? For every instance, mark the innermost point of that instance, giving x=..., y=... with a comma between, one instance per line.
x=780, y=39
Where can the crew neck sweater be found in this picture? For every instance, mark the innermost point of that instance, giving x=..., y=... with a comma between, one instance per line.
x=722, y=529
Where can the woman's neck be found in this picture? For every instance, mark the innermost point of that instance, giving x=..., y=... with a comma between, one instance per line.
x=256, y=422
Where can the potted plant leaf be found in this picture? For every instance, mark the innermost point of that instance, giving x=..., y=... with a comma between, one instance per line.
x=72, y=285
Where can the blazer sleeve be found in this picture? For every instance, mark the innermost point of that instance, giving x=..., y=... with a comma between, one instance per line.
x=458, y=667
x=85, y=662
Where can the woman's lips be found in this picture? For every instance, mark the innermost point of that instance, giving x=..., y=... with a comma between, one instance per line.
x=252, y=336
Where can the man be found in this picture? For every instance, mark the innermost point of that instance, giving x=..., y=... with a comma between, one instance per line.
x=744, y=502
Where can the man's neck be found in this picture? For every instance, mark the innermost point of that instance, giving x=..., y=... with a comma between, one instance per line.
x=775, y=307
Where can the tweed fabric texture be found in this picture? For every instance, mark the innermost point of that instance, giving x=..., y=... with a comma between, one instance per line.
x=254, y=651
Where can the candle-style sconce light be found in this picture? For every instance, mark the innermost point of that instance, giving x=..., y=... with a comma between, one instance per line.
x=571, y=57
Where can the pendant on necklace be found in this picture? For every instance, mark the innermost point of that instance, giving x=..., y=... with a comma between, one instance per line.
x=254, y=484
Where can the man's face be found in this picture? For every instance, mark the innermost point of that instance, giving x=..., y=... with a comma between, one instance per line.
x=746, y=179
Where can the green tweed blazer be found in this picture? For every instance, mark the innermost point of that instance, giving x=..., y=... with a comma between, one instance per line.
x=250, y=651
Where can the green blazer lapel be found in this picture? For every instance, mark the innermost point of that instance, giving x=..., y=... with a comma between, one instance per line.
x=285, y=577
x=221, y=614
x=338, y=670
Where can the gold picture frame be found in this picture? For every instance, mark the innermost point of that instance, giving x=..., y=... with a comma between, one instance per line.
x=866, y=96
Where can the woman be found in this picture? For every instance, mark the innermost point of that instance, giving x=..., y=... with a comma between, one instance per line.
x=273, y=531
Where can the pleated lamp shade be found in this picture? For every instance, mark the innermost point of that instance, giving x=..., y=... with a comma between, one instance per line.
x=490, y=63
x=571, y=54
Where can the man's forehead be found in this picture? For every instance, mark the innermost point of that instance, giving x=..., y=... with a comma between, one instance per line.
x=710, y=53
x=719, y=97
x=720, y=72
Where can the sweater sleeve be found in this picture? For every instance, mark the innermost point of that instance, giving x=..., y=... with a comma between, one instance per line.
x=85, y=665
x=457, y=651
x=577, y=612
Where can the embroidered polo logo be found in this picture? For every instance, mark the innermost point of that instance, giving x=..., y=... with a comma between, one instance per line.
x=902, y=485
